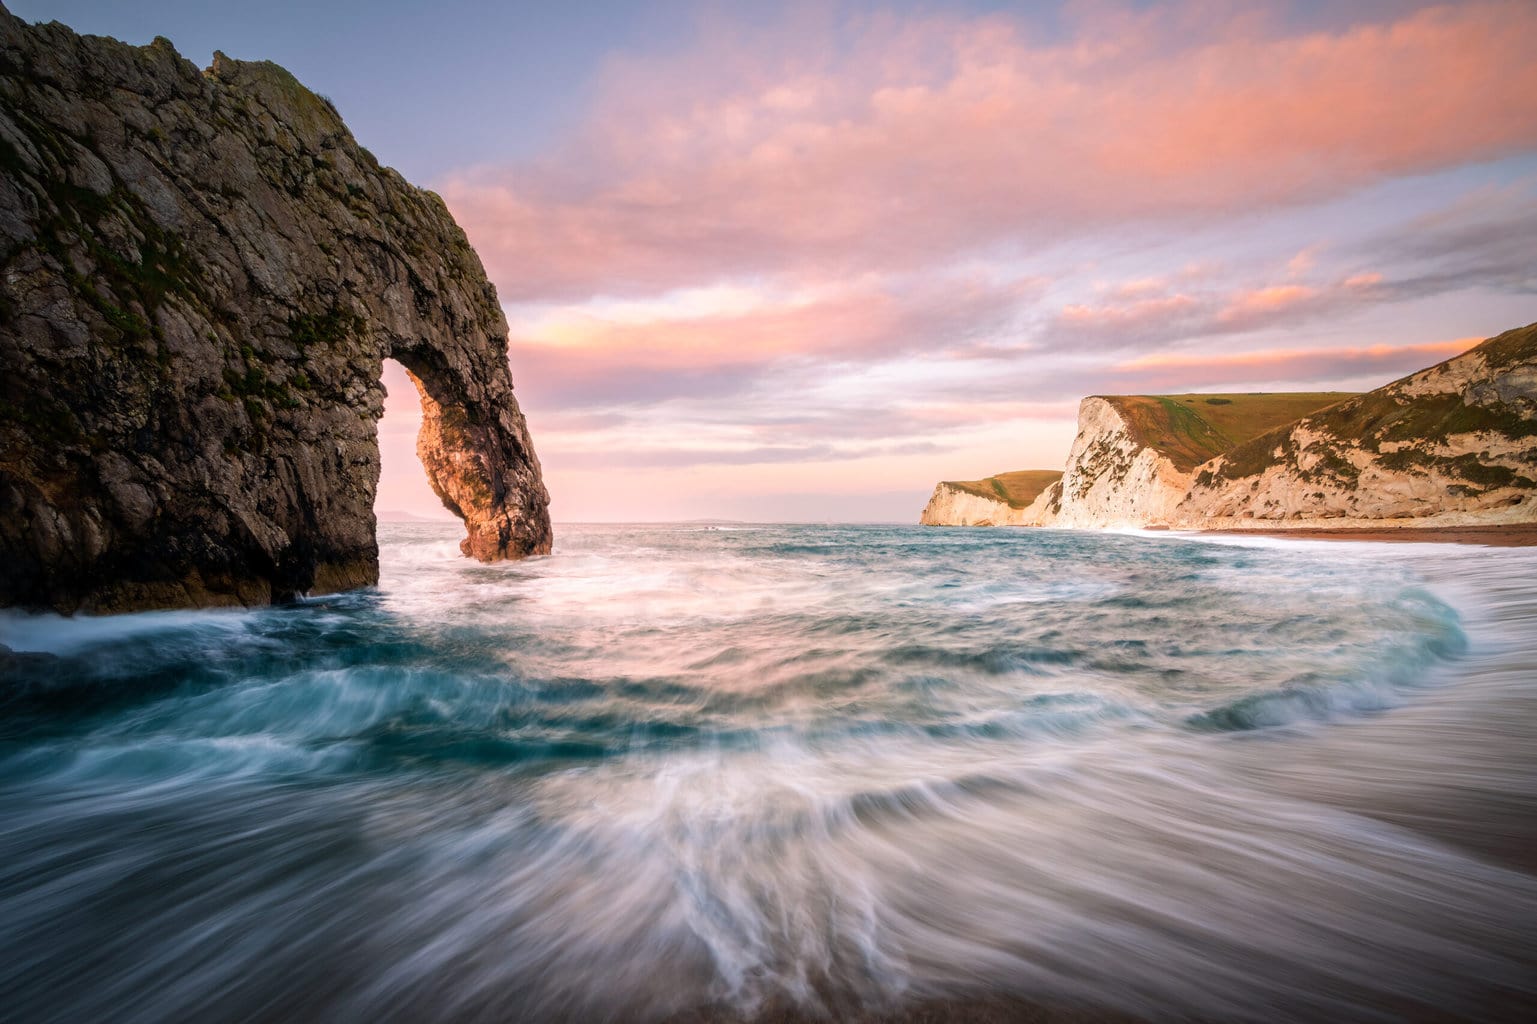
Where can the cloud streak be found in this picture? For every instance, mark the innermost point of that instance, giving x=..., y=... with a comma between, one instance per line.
x=1144, y=317
x=1167, y=372
x=880, y=249
x=658, y=351
x=929, y=139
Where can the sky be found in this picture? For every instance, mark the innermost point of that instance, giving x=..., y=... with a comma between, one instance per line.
x=801, y=261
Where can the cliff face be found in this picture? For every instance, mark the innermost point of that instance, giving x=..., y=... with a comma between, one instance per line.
x=1008, y=499
x=203, y=272
x=1113, y=477
x=950, y=505
x=1453, y=445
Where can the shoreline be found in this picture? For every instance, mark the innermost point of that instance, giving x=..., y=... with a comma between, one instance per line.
x=1392, y=777
x=1511, y=535
x=1055, y=876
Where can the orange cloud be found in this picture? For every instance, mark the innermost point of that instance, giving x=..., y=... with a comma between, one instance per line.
x=1271, y=359
x=1135, y=314
x=1266, y=301
x=661, y=349
x=1327, y=366
x=925, y=138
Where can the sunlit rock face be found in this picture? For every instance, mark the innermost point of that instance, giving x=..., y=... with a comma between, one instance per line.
x=203, y=273
x=1113, y=477
x=951, y=505
x=1452, y=445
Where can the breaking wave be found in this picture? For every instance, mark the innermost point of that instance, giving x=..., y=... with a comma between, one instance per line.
x=799, y=769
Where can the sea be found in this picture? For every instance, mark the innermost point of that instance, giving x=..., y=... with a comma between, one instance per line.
x=812, y=771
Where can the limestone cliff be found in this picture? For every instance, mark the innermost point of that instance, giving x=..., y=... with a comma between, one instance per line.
x=203, y=272
x=949, y=505
x=1451, y=445
x=1113, y=477
x=1455, y=444
x=1008, y=499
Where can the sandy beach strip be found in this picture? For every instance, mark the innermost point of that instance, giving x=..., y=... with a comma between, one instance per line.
x=1506, y=536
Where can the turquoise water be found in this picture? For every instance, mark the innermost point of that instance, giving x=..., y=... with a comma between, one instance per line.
x=742, y=767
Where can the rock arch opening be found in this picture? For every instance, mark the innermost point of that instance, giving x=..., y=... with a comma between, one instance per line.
x=195, y=353
x=471, y=444
x=404, y=493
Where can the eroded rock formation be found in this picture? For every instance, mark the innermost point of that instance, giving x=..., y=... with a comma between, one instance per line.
x=1451, y=445
x=951, y=505
x=1008, y=499
x=203, y=272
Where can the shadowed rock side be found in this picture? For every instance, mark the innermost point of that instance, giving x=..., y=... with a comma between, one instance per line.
x=203, y=272
x=1450, y=446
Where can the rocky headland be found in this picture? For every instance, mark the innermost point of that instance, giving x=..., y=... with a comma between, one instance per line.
x=1002, y=500
x=203, y=272
x=1454, y=445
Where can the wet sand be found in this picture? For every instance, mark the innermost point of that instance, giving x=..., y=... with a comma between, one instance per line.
x=1508, y=536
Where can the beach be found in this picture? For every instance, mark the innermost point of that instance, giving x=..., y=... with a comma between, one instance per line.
x=1508, y=535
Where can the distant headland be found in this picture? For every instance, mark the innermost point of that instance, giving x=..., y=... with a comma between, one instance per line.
x=1454, y=445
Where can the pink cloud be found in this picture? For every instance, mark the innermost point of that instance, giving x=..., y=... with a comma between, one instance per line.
x=926, y=138
x=1137, y=314
x=1302, y=262
x=582, y=354
x=1270, y=304
x=1266, y=302
x=1184, y=371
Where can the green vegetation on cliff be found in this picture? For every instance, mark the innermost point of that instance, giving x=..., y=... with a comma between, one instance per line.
x=1191, y=429
x=201, y=273
x=1403, y=430
x=1454, y=443
x=1018, y=489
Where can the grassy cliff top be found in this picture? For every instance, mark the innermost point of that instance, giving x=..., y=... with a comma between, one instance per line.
x=1409, y=421
x=1018, y=488
x=1190, y=429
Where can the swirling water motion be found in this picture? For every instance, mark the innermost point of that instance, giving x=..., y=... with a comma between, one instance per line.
x=807, y=770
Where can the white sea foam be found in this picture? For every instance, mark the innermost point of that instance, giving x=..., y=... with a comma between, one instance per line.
x=825, y=768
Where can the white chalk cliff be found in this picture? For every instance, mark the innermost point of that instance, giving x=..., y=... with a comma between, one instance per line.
x=950, y=505
x=1451, y=445
x=1008, y=499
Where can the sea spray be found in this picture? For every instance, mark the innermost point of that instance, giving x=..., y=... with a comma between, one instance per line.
x=814, y=767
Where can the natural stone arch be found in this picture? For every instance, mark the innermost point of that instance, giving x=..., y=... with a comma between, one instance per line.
x=203, y=274
x=476, y=452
